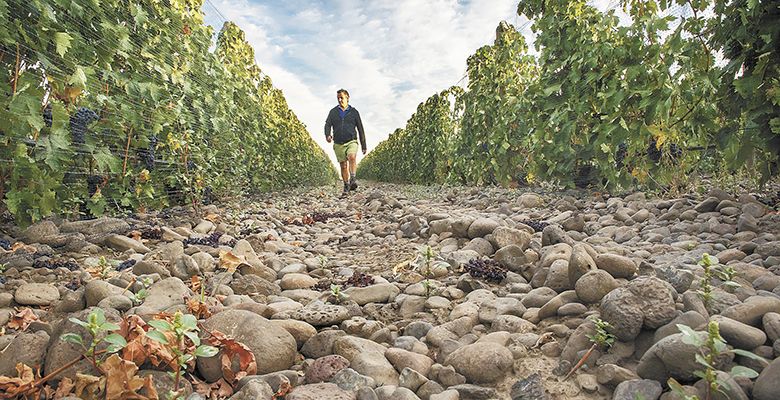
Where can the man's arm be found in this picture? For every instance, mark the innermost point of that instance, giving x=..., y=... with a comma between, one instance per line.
x=362, y=134
x=328, y=126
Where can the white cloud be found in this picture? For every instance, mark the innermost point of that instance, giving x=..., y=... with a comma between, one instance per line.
x=390, y=55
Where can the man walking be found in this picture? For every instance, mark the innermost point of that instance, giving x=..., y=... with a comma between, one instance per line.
x=345, y=122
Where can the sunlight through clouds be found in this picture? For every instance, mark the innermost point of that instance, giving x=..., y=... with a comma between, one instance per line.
x=390, y=55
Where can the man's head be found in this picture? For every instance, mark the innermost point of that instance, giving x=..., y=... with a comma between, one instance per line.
x=343, y=98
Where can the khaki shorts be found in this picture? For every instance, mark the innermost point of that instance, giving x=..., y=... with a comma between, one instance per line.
x=342, y=150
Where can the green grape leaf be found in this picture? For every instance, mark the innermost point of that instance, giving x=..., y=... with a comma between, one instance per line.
x=62, y=41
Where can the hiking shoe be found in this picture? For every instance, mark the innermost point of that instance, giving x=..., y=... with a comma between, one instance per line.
x=346, y=189
x=352, y=184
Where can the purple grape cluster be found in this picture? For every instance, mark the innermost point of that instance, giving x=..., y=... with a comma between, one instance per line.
x=125, y=265
x=486, y=269
x=74, y=284
x=50, y=263
x=324, y=216
x=47, y=117
x=93, y=181
x=154, y=233
x=620, y=155
x=210, y=240
x=79, y=122
x=537, y=226
x=5, y=244
x=147, y=155
x=359, y=279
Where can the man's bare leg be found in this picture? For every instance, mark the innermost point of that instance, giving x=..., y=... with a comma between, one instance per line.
x=344, y=171
x=351, y=159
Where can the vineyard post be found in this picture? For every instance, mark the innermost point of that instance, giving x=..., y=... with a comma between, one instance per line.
x=16, y=70
x=127, y=151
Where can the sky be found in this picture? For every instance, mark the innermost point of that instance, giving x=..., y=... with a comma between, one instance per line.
x=390, y=55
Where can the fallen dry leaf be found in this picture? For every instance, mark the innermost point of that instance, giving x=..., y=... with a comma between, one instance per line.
x=197, y=308
x=24, y=379
x=136, y=235
x=22, y=319
x=89, y=387
x=284, y=389
x=140, y=347
x=121, y=379
x=230, y=350
x=65, y=388
x=195, y=283
x=212, y=217
x=230, y=261
x=217, y=390
x=21, y=246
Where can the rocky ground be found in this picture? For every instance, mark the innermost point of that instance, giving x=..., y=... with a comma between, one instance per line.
x=341, y=299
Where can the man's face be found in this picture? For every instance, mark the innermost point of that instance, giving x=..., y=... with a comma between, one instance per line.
x=343, y=100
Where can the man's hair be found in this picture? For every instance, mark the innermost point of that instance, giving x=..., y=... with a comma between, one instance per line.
x=342, y=91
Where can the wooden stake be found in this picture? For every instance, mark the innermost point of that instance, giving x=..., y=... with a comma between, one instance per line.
x=127, y=151
x=16, y=72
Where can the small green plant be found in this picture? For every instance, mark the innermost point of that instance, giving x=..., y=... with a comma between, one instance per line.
x=711, y=348
x=705, y=290
x=99, y=329
x=713, y=270
x=323, y=261
x=182, y=328
x=336, y=295
x=602, y=338
x=428, y=287
x=3, y=266
x=139, y=296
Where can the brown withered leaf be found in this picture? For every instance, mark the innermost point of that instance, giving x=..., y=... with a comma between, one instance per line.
x=136, y=235
x=23, y=380
x=122, y=381
x=196, y=283
x=217, y=390
x=65, y=388
x=284, y=389
x=140, y=347
x=197, y=308
x=230, y=261
x=21, y=246
x=212, y=217
x=22, y=319
x=89, y=387
x=359, y=216
x=230, y=350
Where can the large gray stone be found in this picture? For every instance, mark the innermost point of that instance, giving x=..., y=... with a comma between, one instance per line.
x=646, y=389
x=25, y=348
x=753, y=309
x=580, y=263
x=505, y=236
x=767, y=385
x=482, y=227
x=671, y=357
x=36, y=294
x=124, y=243
x=253, y=284
x=61, y=352
x=738, y=334
x=594, y=285
x=617, y=266
x=481, y=362
x=274, y=350
x=320, y=391
x=378, y=293
x=644, y=302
